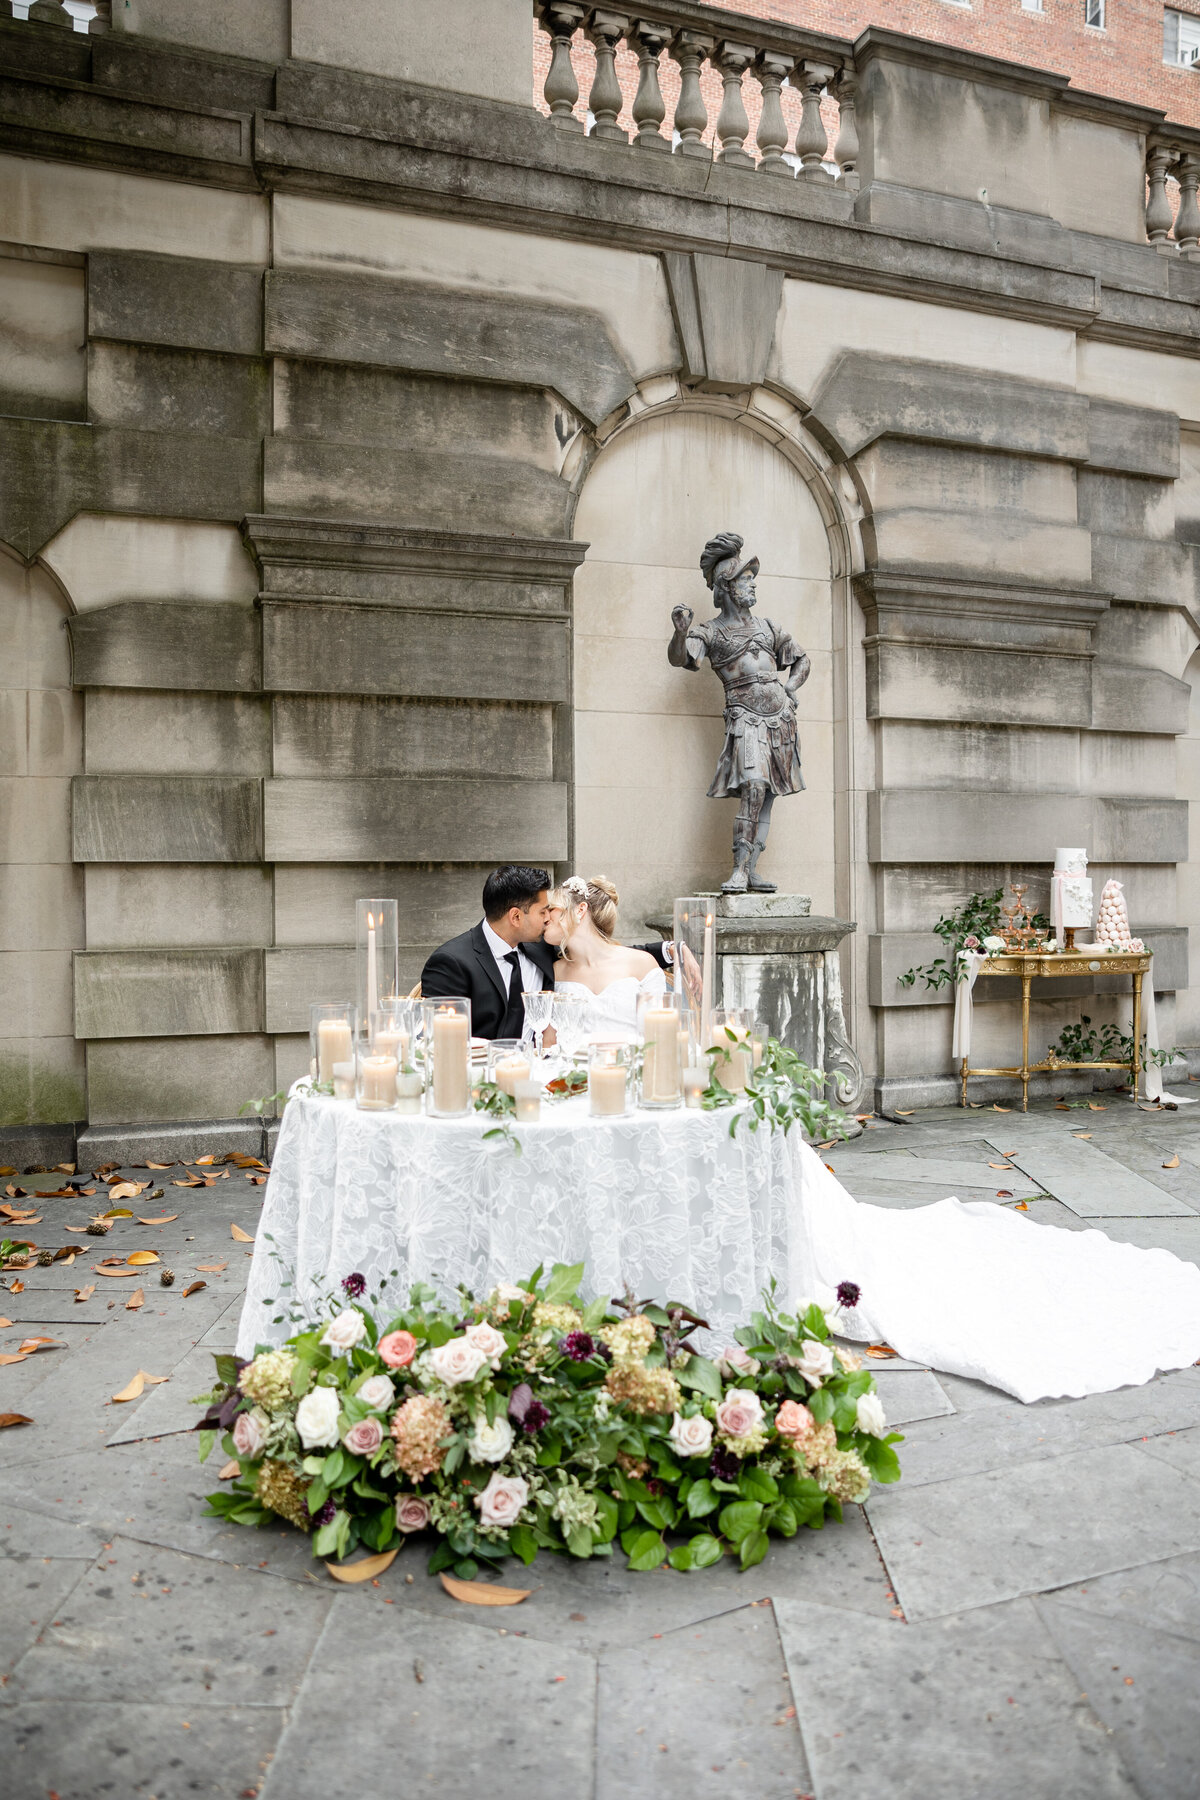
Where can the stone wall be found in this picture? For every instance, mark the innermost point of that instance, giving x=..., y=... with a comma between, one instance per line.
x=364, y=431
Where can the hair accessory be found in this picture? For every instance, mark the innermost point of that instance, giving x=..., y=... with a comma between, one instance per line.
x=577, y=887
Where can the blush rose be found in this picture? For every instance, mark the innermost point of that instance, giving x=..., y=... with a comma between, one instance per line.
x=457, y=1361
x=250, y=1432
x=377, y=1392
x=740, y=1413
x=501, y=1501
x=397, y=1349
x=488, y=1341
x=412, y=1513
x=344, y=1331
x=691, y=1437
x=364, y=1438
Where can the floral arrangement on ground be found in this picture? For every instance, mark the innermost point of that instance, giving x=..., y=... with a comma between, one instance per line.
x=532, y=1420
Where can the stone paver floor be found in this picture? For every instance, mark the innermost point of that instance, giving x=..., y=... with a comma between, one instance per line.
x=1020, y=1616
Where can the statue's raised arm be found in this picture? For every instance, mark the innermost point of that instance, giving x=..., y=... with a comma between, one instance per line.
x=761, y=757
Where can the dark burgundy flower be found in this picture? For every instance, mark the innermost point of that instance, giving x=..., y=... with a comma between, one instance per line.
x=654, y=1486
x=355, y=1286
x=537, y=1414
x=724, y=1465
x=848, y=1293
x=578, y=1345
x=324, y=1515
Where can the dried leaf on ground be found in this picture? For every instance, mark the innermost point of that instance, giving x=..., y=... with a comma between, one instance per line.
x=194, y=1288
x=151, y=1165
x=7, y=1419
x=118, y=1212
x=115, y=1274
x=139, y=1259
x=208, y=1268
x=240, y=1160
x=134, y=1389
x=127, y=1190
x=15, y=1193
x=189, y=1181
x=1003, y=1165
x=203, y=1162
x=16, y=1287
x=65, y=1168
x=166, y=1219
x=4, y=1324
x=258, y=1180
x=7, y=1171
x=1021, y=1206
x=996, y=1107
x=901, y=1113
x=239, y=1236
x=1004, y=1193
x=1095, y=1106
x=29, y=1346
x=366, y=1570
x=880, y=1350
x=136, y=1299
x=231, y=1469
x=21, y=1356
x=1171, y=1163
x=1081, y=1134
x=483, y=1593
x=84, y=1293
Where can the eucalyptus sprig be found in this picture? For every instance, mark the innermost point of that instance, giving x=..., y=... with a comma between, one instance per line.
x=492, y=1100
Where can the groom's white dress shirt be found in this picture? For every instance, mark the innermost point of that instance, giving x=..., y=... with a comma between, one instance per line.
x=531, y=975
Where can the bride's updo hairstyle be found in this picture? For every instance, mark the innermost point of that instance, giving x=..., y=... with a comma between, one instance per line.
x=599, y=896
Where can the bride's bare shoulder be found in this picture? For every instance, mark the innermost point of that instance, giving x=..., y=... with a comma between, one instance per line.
x=637, y=962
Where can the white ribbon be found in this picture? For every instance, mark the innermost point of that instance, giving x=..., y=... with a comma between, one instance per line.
x=969, y=964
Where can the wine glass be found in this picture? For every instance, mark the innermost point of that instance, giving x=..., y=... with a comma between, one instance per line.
x=537, y=1014
x=570, y=1020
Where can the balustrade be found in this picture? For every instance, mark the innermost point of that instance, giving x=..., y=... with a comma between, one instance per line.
x=80, y=15
x=724, y=87
x=1172, y=211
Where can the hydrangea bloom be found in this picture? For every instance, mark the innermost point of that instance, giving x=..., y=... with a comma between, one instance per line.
x=418, y=1427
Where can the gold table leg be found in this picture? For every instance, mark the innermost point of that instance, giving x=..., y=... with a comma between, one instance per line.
x=1026, y=982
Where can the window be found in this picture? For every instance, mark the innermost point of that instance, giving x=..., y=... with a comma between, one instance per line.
x=1093, y=14
x=1033, y=6
x=1181, y=38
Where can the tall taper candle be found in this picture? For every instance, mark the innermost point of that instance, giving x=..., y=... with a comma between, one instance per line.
x=706, y=980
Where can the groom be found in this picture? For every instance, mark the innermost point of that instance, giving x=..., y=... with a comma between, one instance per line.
x=503, y=956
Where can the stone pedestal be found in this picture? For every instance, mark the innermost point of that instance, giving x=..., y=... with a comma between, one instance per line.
x=782, y=961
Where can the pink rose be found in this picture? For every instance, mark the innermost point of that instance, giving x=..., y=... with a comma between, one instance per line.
x=735, y=1359
x=487, y=1339
x=456, y=1361
x=793, y=1421
x=364, y=1438
x=739, y=1413
x=412, y=1513
x=249, y=1433
x=397, y=1349
x=501, y=1501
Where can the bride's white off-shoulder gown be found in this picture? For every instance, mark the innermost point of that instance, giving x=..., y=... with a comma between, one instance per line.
x=973, y=1288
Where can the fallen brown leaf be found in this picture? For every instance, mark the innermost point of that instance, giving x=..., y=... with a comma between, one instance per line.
x=133, y=1389
x=136, y=1299
x=194, y=1288
x=7, y=1171
x=1021, y=1206
x=258, y=1180
x=16, y=1287
x=127, y=1190
x=84, y=1293
x=139, y=1259
x=79, y=1229
x=4, y=1324
x=880, y=1350
x=27, y=1346
x=1004, y=1193
x=7, y=1419
x=115, y=1274
x=21, y=1356
x=1095, y=1106
x=189, y=1181
x=1172, y=1163
x=996, y=1107
x=231, y=1469
x=65, y=1168
x=903, y=1113
x=366, y=1570
x=117, y=1212
x=1081, y=1134
x=483, y=1593
x=239, y=1236
x=204, y=1162
x=15, y=1193
x=208, y=1268
x=151, y=1165
x=165, y=1220
x=1002, y=1165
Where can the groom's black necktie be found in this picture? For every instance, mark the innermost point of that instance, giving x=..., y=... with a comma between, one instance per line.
x=514, y=1012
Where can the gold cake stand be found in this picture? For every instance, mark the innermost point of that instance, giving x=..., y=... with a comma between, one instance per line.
x=1036, y=965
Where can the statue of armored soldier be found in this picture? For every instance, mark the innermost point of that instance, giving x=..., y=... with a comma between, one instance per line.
x=761, y=668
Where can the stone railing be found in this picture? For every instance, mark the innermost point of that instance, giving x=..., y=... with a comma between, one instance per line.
x=704, y=78
x=1172, y=177
x=79, y=15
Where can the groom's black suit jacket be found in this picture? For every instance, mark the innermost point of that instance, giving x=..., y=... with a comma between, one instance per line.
x=466, y=966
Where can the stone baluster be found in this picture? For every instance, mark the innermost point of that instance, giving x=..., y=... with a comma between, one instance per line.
x=1159, y=218
x=561, y=89
x=845, y=151
x=733, y=123
x=1187, y=219
x=772, y=127
x=606, y=29
x=812, y=144
x=649, y=108
x=689, y=49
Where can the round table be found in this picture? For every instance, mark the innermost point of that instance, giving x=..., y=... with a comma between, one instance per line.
x=666, y=1203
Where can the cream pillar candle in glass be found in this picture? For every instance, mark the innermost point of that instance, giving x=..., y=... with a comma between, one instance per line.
x=662, y=1070
x=609, y=1067
x=734, y=1063
x=377, y=957
x=410, y=1087
x=376, y=1085
x=507, y=1063
x=447, y=1022
x=332, y=1033
x=392, y=1030
x=527, y=1096
x=694, y=1083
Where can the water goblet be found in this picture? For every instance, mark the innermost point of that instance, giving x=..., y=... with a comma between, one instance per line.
x=569, y=1018
x=538, y=1004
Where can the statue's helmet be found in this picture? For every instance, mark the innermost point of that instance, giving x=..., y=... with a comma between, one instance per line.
x=721, y=561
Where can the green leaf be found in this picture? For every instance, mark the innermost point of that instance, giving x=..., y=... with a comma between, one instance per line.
x=207, y=1440
x=563, y=1284
x=702, y=1500
x=593, y=1314
x=335, y=1470
x=227, y=1369
x=443, y=1557
x=325, y=1539
x=579, y=1541
x=756, y=1484
x=657, y=1512
x=701, y=1375
x=648, y=1551
x=738, y=1520
x=820, y=1405
x=705, y=1550
x=317, y=1494
x=607, y=1514
x=681, y=1556
x=781, y=1518
x=881, y=1459
x=522, y=1543
x=754, y=1548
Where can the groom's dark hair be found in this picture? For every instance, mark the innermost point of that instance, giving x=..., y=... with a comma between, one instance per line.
x=513, y=885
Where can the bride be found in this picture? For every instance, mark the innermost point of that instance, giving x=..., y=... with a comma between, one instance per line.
x=591, y=964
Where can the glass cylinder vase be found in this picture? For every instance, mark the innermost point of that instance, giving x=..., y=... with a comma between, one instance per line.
x=609, y=1069
x=733, y=1064
x=377, y=959
x=696, y=972
x=508, y=1061
x=332, y=1037
x=447, y=1034
x=659, y=1017
x=375, y=1086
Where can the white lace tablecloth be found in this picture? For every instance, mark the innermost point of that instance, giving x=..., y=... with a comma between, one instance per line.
x=666, y=1202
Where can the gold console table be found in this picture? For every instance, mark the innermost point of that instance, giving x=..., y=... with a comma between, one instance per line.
x=1035, y=965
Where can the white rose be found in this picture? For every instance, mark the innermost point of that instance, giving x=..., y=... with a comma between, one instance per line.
x=815, y=1363
x=457, y=1361
x=317, y=1417
x=490, y=1443
x=501, y=1501
x=377, y=1392
x=488, y=1340
x=691, y=1437
x=993, y=943
x=344, y=1331
x=871, y=1416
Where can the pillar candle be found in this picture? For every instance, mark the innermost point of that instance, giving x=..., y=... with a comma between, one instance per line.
x=734, y=1063
x=660, y=1069
x=451, y=1062
x=378, y=1083
x=410, y=1084
x=607, y=1088
x=694, y=1083
x=528, y=1098
x=334, y=1045
x=758, y=1051
x=392, y=1043
x=343, y=1080
x=510, y=1071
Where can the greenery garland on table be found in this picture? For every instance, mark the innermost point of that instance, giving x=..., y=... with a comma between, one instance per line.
x=532, y=1420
